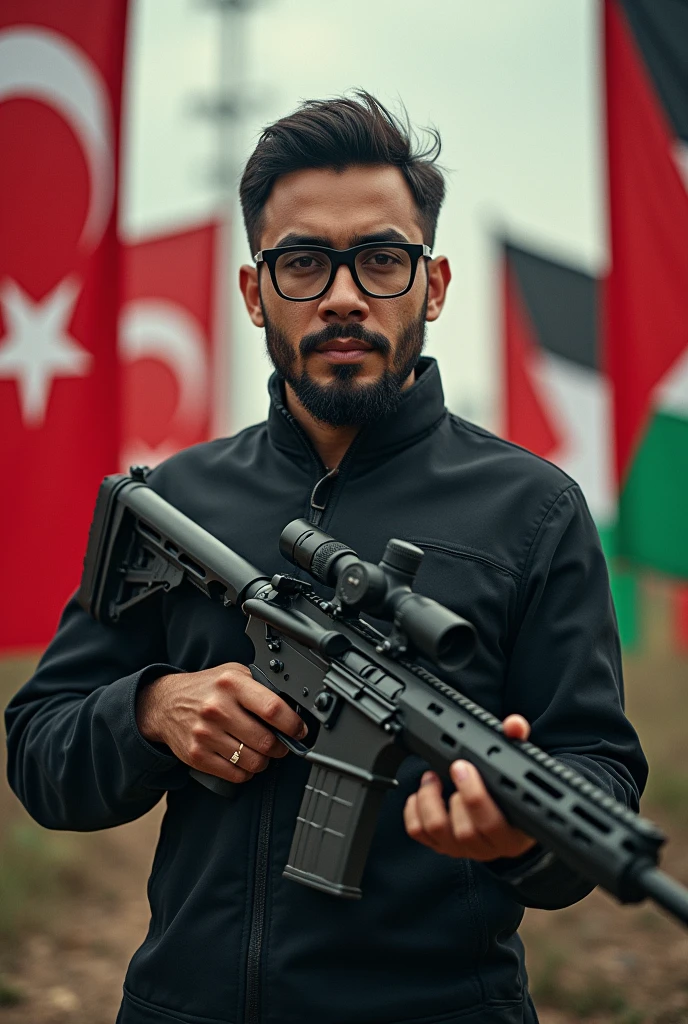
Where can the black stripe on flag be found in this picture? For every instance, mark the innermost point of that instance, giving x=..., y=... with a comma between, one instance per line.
x=562, y=303
x=660, y=28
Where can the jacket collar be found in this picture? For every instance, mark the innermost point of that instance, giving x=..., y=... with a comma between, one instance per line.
x=419, y=411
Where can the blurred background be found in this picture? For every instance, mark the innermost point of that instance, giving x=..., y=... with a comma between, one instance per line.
x=124, y=128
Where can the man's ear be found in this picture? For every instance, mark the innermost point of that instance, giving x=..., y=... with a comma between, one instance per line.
x=248, y=283
x=439, y=276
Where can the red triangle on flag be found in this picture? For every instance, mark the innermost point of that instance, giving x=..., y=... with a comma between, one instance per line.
x=528, y=421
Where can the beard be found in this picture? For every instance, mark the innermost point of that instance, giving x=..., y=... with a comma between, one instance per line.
x=345, y=402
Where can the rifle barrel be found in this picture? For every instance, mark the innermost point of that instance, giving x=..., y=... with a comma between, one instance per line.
x=668, y=893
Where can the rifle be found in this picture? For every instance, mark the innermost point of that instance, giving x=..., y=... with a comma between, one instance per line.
x=365, y=697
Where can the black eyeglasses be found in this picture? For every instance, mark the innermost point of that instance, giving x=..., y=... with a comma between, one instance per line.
x=304, y=272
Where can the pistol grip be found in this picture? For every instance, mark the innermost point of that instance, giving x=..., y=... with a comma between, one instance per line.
x=230, y=790
x=221, y=787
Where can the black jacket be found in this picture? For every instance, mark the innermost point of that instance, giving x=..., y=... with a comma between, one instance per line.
x=510, y=545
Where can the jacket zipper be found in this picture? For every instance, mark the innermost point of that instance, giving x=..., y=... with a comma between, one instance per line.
x=255, y=942
x=252, y=1013
x=319, y=501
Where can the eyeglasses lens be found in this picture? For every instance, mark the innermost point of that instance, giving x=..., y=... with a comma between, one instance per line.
x=301, y=275
x=383, y=271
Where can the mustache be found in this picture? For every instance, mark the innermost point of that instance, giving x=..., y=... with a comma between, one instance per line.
x=332, y=332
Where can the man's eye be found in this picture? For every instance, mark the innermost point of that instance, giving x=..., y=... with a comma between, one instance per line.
x=303, y=263
x=382, y=259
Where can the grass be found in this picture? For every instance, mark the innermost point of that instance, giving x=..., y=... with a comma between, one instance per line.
x=667, y=790
x=590, y=996
x=37, y=866
x=10, y=994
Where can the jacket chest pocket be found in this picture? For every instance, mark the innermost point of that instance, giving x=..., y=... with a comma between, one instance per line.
x=485, y=594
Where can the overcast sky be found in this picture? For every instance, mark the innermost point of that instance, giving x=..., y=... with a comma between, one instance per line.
x=512, y=85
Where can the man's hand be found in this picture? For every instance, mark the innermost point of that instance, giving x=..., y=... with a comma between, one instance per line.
x=203, y=717
x=472, y=826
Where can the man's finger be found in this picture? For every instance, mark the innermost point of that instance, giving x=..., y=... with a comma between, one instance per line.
x=487, y=818
x=268, y=706
x=432, y=810
x=254, y=733
x=468, y=841
x=214, y=764
x=481, y=808
x=412, y=822
x=516, y=727
x=250, y=760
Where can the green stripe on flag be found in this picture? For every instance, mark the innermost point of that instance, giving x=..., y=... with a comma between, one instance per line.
x=653, y=530
x=624, y=587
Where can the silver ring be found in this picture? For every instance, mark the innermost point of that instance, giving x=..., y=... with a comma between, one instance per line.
x=236, y=755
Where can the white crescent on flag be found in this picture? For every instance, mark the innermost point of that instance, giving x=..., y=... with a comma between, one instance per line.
x=46, y=66
x=163, y=330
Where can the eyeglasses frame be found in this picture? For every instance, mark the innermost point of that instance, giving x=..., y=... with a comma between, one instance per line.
x=342, y=257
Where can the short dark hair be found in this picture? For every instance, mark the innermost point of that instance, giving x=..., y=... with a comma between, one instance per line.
x=341, y=133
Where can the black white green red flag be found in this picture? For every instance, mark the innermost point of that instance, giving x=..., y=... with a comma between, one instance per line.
x=646, y=291
x=557, y=400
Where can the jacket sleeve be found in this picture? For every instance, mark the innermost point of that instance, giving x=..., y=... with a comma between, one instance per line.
x=565, y=677
x=76, y=758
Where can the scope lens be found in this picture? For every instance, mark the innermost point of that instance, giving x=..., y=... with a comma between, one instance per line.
x=455, y=647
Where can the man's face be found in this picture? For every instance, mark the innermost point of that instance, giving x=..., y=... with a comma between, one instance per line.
x=346, y=356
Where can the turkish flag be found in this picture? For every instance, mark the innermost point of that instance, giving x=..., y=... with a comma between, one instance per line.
x=60, y=95
x=167, y=343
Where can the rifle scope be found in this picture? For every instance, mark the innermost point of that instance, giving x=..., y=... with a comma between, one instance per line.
x=383, y=590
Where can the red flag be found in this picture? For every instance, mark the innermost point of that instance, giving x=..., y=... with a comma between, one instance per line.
x=60, y=89
x=166, y=343
x=647, y=288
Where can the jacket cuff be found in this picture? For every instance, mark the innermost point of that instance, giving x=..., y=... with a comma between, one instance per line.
x=517, y=869
x=153, y=764
x=162, y=753
x=539, y=879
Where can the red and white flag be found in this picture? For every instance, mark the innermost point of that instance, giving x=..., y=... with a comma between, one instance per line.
x=60, y=96
x=167, y=343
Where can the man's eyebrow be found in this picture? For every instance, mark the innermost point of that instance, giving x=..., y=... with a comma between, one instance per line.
x=295, y=239
x=386, y=235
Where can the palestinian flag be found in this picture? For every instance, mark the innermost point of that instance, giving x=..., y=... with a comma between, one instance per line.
x=557, y=400
x=646, y=292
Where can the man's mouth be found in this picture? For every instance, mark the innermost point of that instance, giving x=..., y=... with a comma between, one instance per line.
x=344, y=350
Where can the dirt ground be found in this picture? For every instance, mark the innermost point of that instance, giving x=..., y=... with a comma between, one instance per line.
x=70, y=968
x=64, y=953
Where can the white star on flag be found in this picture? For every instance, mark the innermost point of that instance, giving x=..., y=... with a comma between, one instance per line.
x=37, y=347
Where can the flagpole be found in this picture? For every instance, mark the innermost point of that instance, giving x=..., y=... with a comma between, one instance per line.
x=227, y=109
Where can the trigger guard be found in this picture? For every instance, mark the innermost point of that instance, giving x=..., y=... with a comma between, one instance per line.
x=295, y=746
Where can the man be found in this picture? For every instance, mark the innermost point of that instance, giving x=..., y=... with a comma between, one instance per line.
x=340, y=214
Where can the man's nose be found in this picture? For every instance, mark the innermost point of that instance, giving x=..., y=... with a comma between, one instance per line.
x=343, y=299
